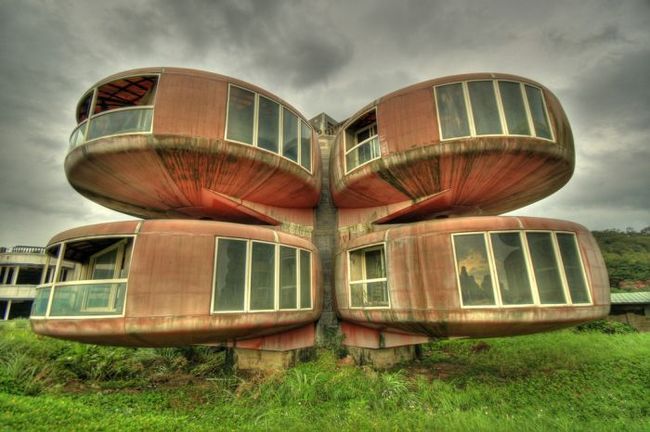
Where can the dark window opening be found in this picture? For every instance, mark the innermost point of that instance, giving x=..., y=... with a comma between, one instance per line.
x=126, y=92
x=29, y=276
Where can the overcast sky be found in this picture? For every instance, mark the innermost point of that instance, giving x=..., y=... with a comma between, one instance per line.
x=331, y=56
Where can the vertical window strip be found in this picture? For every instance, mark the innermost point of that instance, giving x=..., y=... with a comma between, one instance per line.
x=530, y=269
x=301, y=277
x=525, y=110
x=284, y=148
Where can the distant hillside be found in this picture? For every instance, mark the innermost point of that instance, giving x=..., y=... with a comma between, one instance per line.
x=627, y=255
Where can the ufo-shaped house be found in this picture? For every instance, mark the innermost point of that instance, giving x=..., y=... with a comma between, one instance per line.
x=181, y=282
x=177, y=143
x=479, y=144
x=411, y=172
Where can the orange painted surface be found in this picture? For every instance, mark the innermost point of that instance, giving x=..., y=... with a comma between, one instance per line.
x=423, y=289
x=169, y=290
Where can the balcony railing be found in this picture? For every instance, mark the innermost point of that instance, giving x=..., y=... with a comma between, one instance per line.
x=80, y=299
x=28, y=249
x=115, y=122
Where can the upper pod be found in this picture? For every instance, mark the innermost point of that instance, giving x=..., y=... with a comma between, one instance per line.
x=163, y=142
x=469, y=144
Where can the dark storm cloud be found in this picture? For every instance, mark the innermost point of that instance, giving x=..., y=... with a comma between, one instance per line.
x=333, y=56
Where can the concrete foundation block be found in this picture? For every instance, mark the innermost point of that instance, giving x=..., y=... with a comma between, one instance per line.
x=382, y=358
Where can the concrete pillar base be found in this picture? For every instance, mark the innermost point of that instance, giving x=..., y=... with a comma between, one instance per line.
x=263, y=360
x=382, y=358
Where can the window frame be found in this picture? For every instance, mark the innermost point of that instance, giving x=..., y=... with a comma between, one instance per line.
x=529, y=267
x=500, y=107
x=357, y=145
x=92, y=115
x=83, y=274
x=374, y=246
x=276, y=278
x=281, y=108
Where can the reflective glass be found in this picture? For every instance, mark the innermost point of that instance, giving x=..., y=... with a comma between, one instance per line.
x=364, y=153
x=356, y=294
x=88, y=299
x=104, y=265
x=484, y=107
x=305, y=145
x=473, y=270
x=230, y=278
x=377, y=294
x=452, y=111
x=290, y=135
x=241, y=112
x=288, y=278
x=268, y=128
x=39, y=307
x=262, y=277
x=513, y=107
x=573, y=268
x=512, y=274
x=305, y=279
x=547, y=273
x=538, y=111
x=120, y=122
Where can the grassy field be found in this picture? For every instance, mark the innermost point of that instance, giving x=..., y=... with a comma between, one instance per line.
x=565, y=380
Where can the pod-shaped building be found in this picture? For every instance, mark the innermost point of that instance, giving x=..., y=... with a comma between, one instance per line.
x=181, y=282
x=473, y=276
x=178, y=143
x=476, y=144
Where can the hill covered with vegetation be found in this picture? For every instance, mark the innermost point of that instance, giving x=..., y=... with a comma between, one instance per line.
x=627, y=256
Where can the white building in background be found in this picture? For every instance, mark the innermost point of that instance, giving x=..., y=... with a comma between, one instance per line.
x=22, y=268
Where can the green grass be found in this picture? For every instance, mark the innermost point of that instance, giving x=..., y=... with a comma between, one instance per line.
x=565, y=380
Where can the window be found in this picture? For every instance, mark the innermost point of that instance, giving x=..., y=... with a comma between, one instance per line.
x=361, y=141
x=256, y=120
x=474, y=274
x=491, y=107
x=29, y=275
x=95, y=286
x=118, y=107
x=254, y=276
x=367, y=278
x=518, y=268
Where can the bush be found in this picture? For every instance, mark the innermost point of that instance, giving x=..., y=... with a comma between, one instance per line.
x=606, y=326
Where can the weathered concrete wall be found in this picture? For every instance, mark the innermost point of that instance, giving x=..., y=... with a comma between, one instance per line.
x=324, y=239
x=639, y=322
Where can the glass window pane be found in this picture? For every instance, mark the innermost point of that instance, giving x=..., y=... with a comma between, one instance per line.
x=83, y=109
x=290, y=135
x=88, y=300
x=356, y=291
x=512, y=274
x=473, y=270
x=39, y=307
x=305, y=279
x=484, y=107
x=262, y=277
x=104, y=265
x=545, y=267
x=120, y=122
x=230, y=278
x=268, y=125
x=537, y=110
x=305, y=145
x=377, y=294
x=513, y=106
x=452, y=112
x=362, y=154
x=375, y=264
x=241, y=110
x=288, y=289
x=356, y=269
x=573, y=268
